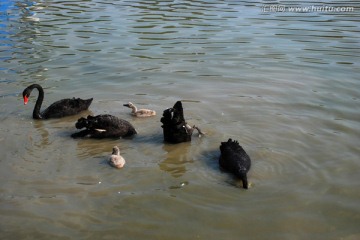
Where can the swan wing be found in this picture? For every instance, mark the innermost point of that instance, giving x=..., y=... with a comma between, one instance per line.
x=66, y=107
x=111, y=126
x=145, y=113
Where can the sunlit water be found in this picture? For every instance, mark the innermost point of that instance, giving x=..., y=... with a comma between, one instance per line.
x=284, y=84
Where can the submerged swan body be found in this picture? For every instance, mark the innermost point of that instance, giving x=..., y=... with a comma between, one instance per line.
x=61, y=108
x=140, y=112
x=234, y=159
x=103, y=126
x=175, y=128
x=116, y=160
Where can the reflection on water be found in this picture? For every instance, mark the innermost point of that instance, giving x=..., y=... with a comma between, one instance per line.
x=176, y=159
x=44, y=135
x=284, y=84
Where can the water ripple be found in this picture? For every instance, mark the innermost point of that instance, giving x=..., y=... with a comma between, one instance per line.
x=285, y=85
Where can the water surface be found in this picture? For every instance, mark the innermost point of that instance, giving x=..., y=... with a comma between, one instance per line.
x=284, y=84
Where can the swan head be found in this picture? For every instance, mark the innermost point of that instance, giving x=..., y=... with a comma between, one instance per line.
x=26, y=95
x=115, y=150
x=26, y=100
x=81, y=123
x=129, y=105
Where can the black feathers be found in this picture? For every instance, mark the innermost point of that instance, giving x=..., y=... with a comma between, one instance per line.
x=66, y=107
x=59, y=109
x=103, y=126
x=234, y=159
x=175, y=128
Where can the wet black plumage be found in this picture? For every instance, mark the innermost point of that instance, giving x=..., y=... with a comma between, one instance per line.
x=234, y=159
x=174, y=126
x=103, y=126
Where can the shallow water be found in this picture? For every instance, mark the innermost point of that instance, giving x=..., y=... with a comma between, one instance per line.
x=284, y=84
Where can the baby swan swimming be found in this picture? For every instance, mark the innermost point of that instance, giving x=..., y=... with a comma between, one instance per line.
x=140, y=112
x=116, y=160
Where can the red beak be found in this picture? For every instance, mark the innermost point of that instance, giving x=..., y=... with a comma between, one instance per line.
x=26, y=100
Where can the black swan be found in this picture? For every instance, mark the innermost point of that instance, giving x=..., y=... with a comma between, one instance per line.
x=175, y=128
x=140, y=112
x=103, y=126
x=234, y=159
x=116, y=160
x=61, y=108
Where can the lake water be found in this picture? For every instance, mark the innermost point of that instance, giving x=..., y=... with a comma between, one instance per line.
x=284, y=83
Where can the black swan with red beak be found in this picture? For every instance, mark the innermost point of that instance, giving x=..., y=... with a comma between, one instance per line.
x=58, y=109
x=175, y=128
x=103, y=126
x=234, y=159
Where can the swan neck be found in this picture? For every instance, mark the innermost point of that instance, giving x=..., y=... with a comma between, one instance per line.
x=116, y=151
x=40, y=99
x=134, y=108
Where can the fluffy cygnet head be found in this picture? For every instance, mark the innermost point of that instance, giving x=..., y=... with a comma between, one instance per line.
x=129, y=105
x=116, y=150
